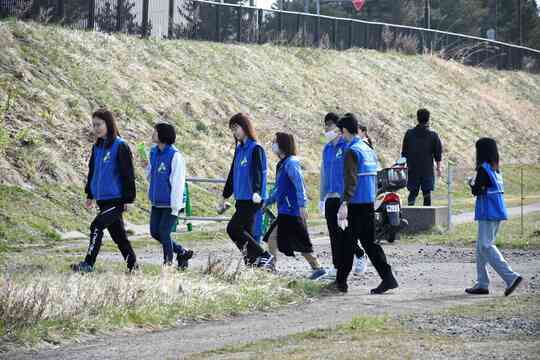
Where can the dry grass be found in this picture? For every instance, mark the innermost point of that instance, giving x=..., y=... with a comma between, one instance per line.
x=44, y=302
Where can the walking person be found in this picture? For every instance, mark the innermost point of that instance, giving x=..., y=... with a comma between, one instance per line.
x=421, y=147
x=166, y=172
x=110, y=184
x=247, y=182
x=331, y=192
x=360, y=175
x=490, y=211
x=289, y=233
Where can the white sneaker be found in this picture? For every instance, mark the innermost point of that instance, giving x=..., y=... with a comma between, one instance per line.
x=331, y=274
x=361, y=265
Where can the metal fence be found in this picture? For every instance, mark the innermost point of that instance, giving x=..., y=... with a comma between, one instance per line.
x=211, y=21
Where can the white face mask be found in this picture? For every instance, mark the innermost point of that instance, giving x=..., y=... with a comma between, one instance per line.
x=331, y=135
x=275, y=149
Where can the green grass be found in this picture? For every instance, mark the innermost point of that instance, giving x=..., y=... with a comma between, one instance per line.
x=57, y=306
x=509, y=235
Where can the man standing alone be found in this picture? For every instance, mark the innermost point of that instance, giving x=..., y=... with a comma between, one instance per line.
x=421, y=146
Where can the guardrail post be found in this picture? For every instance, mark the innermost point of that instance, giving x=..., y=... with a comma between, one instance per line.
x=91, y=15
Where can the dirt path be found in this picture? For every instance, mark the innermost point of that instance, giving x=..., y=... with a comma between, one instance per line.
x=431, y=278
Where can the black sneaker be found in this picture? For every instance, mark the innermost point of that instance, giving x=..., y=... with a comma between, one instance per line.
x=513, y=287
x=83, y=267
x=183, y=259
x=266, y=261
x=477, y=291
x=384, y=286
x=336, y=288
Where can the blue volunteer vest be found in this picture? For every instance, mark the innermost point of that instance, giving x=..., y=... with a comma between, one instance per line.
x=286, y=198
x=159, y=192
x=106, y=183
x=367, y=172
x=491, y=206
x=334, y=164
x=242, y=178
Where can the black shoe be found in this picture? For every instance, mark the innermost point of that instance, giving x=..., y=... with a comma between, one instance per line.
x=183, y=259
x=83, y=267
x=335, y=287
x=266, y=261
x=513, y=287
x=133, y=268
x=477, y=291
x=385, y=285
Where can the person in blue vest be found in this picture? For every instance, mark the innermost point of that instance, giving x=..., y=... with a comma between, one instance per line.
x=331, y=192
x=247, y=182
x=166, y=172
x=490, y=211
x=110, y=184
x=360, y=177
x=288, y=232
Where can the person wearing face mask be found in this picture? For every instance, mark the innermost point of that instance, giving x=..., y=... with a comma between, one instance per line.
x=247, y=182
x=331, y=192
x=360, y=175
x=289, y=232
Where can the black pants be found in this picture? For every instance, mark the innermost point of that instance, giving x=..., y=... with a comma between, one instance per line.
x=361, y=218
x=110, y=218
x=331, y=210
x=241, y=226
x=415, y=183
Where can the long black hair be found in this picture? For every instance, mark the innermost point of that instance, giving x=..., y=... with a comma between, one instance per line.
x=110, y=122
x=487, y=152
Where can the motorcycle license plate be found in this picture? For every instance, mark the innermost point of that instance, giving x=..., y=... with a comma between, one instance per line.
x=392, y=208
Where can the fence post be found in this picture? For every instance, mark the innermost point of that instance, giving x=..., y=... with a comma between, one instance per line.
x=522, y=199
x=260, y=24
x=218, y=23
x=334, y=34
x=280, y=24
x=60, y=10
x=119, y=7
x=298, y=24
x=351, y=34
x=145, y=18
x=317, y=31
x=189, y=211
x=91, y=15
x=239, y=25
x=449, y=196
x=171, y=19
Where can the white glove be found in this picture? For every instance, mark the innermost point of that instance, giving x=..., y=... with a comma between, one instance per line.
x=342, y=213
x=322, y=208
x=471, y=180
x=256, y=198
x=175, y=212
x=343, y=224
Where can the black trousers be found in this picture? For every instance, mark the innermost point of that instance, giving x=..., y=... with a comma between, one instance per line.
x=241, y=226
x=110, y=218
x=361, y=218
x=331, y=209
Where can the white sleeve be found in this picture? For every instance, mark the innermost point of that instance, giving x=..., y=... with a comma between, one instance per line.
x=178, y=183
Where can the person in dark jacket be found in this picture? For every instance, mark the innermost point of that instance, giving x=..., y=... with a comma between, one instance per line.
x=110, y=184
x=490, y=211
x=421, y=146
x=247, y=182
x=357, y=207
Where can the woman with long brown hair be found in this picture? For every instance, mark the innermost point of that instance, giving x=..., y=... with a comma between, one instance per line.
x=247, y=182
x=110, y=184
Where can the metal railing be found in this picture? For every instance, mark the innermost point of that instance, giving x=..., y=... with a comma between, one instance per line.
x=214, y=21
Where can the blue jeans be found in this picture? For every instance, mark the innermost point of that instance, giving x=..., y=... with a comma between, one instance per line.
x=161, y=224
x=487, y=253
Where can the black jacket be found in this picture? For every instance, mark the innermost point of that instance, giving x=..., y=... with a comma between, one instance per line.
x=127, y=174
x=256, y=174
x=421, y=146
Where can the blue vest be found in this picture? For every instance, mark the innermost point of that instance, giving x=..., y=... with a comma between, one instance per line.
x=490, y=206
x=286, y=189
x=159, y=192
x=242, y=177
x=367, y=172
x=334, y=164
x=106, y=183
